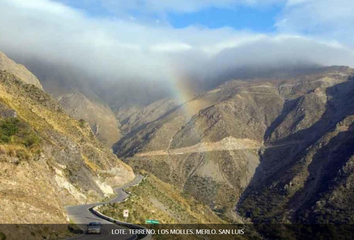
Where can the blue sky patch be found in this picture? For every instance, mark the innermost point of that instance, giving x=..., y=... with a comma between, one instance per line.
x=241, y=18
x=260, y=19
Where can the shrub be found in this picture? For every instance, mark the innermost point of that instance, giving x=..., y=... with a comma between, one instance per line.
x=8, y=128
x=31, y=140
x=82, y=123
x=13, y=130
x=22, y=155
x=2, y=236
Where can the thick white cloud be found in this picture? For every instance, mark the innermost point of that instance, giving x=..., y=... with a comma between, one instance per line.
x=122, y=49
x=324, y=18
x=330, y=19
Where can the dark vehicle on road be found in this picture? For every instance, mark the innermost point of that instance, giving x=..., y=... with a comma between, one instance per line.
x=94, y=228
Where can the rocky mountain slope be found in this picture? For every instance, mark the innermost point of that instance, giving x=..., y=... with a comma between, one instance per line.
x=245, y=142
x=310, y=181
x=103, y=123
x=154, y=199
x=75, y=96
x=48, y=159
x=132, y=118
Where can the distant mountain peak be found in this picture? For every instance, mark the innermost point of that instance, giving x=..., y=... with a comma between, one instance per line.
x=6, y=64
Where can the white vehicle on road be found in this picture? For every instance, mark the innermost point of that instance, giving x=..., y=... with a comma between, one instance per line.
x=94, y=228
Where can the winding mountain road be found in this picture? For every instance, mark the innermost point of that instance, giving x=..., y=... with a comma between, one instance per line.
x=82, y=215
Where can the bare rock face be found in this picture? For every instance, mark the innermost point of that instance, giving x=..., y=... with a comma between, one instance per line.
x=100, y=117
x=47, y=159
x=255, y=144
x=18, y=70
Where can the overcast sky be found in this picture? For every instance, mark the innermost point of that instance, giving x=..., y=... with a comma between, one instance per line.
x=163, y=39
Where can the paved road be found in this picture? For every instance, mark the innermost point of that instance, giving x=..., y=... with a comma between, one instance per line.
x=81, y=215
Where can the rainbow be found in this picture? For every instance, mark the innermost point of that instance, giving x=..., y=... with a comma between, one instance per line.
x=186, y=95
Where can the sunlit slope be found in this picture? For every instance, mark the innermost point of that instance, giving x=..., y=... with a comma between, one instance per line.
x=154, y=199
x=48, y=159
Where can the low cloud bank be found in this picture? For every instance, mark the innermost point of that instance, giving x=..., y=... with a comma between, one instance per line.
x=110, y=50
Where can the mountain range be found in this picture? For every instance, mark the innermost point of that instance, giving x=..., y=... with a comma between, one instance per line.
x=263, y=148
x=272, y=150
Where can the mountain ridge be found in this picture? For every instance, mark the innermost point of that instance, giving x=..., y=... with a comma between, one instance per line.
x=19, y=70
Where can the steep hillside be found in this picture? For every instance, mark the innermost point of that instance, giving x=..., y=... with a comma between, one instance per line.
x=311, y=181
x=241, y=139
x=154, y=199
x=73, y=92
x=47, y=158
x=205, y=147
x=100, y=117
x=134, y=117
x=6, y=64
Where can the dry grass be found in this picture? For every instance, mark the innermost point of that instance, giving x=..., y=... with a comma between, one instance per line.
x=93, y=166
x=15, y=151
